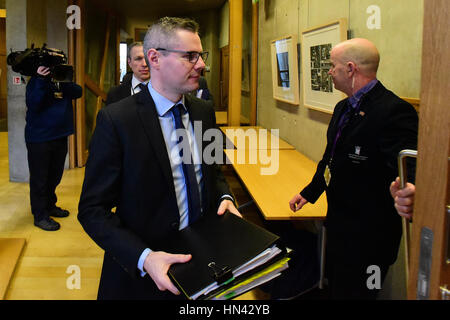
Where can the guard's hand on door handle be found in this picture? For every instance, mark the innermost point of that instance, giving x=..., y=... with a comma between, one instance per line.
x=403, y=198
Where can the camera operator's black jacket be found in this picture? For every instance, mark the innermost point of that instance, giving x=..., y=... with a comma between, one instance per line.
x=48, y=117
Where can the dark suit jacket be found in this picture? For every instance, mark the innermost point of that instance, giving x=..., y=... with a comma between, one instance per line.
x=121, y=91
x=128, y=168
x=202, y=85
x=362, y=222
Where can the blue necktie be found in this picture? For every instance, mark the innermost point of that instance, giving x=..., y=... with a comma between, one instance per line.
x=194, y=204
x=142, y=86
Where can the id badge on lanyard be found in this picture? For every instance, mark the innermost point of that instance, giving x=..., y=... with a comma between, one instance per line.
x=327, y=175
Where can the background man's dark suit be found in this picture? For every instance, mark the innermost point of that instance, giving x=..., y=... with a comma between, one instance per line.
x=121, y=91
x=131, y=160
x=362, y=223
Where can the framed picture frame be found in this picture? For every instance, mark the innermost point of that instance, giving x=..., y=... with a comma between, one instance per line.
x=285, y=69
x=139, y=34
x=318, y=89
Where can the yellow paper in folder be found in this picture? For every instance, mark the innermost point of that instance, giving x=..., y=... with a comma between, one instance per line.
x=257, y=279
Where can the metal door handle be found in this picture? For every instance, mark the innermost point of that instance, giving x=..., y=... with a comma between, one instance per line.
x=402, y=170
x=402, y=173
x=445, y=293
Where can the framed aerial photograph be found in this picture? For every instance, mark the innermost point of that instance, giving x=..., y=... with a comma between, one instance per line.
x=318, y=90
x=285, y=69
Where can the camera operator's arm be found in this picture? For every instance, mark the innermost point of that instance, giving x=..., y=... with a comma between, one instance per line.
x=71, y=90
x=38, y=89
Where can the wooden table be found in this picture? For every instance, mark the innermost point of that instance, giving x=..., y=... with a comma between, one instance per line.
x=272, y=193
x=248, y=137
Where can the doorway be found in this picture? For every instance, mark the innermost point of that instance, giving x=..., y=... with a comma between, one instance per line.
x=3, y=87
x=224, y=77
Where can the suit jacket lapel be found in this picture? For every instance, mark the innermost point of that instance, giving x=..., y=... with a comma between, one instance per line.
x=150, y=122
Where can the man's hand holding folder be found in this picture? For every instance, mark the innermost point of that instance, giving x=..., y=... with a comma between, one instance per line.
x=157, y=263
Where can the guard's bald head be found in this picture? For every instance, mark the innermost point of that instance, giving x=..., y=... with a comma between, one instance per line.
x=360, y=51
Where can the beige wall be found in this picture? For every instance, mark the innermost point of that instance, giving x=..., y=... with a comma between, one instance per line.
x=399, y=41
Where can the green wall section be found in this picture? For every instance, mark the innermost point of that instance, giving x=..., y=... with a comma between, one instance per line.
x=95, y=31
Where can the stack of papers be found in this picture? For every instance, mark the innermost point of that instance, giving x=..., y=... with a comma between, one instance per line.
x=229, y=257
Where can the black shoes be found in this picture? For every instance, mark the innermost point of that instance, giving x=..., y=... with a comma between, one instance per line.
x=47, y=224
x=58, y=212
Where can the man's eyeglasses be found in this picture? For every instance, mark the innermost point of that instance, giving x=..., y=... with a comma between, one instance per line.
x=191, y=56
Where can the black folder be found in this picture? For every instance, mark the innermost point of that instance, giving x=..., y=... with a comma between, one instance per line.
x=218, y=244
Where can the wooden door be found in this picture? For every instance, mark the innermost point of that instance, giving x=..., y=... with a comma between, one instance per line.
x=3, y=90
x=224, y=76
x=430, y=227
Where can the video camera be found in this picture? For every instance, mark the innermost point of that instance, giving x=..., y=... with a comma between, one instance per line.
x=27, y=62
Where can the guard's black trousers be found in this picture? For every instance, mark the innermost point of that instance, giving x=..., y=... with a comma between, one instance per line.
x=46, y=164
x=354, y=279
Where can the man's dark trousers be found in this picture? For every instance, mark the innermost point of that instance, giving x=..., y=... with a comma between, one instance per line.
x=46, y=163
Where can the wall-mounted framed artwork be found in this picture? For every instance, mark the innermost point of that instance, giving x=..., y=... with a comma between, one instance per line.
x=285, y=69
x=318, y=90
x=139, y=34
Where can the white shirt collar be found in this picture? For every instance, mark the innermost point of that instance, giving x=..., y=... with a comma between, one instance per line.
x=163, y=105
x=135, y=82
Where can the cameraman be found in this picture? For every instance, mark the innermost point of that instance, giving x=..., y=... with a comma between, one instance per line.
x=49, y=121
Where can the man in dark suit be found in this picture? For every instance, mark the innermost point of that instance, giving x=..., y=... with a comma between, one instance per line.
x=202, y=92
x=131, y=82
x=133, y=166
x=365, y=134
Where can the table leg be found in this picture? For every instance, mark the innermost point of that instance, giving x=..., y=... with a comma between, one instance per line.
x=322, y=240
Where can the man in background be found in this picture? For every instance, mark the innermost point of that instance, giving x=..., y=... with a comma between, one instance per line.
x=365, y=134
x=134, y=82
x=202, y=92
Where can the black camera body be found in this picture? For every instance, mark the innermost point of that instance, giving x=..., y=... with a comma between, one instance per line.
x=27, y=62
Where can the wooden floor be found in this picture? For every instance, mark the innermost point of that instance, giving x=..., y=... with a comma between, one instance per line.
x=10, y=253
x=48, y=259
x=41, y=270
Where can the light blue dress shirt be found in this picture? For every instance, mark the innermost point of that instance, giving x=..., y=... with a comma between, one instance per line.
x=167, y=122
